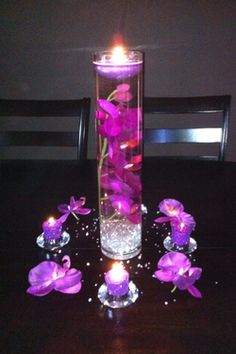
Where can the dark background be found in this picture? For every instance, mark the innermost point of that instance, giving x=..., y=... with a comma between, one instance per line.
x=47, y=46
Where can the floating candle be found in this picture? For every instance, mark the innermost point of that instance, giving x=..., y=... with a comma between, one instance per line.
x=118, y=63
x=52, y=229
x=117, y=280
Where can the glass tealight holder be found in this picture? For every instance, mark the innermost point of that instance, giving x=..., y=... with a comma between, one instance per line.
x=53, y=237
x=117, y=291
x=179, y=240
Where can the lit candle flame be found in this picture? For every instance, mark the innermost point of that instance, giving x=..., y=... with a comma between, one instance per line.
x=51, y=221
x=117, y=272
x=118, y=55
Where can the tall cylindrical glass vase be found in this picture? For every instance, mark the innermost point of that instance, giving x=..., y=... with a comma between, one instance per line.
x=119, y=91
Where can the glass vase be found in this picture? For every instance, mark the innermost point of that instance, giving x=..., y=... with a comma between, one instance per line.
x=119, y=91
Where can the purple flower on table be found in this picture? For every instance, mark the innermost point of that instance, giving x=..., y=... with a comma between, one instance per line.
x=183, y=220
x=170, y=207
x=75, y=207
x=176, y=267
x=48, y=276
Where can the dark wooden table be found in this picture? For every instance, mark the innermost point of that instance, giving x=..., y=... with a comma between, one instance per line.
x=159, y=322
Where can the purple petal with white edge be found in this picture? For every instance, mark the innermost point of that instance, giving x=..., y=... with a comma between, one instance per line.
x=194, y=291
x=109, y=107
x=163, y=219
x=174, y=261
x=43, y=273
x=63, y=208
x=164, y=275
x=72, y=278
x=171, y=207
x=40, y=290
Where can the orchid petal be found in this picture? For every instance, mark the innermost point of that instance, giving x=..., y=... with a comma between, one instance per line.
x=194, y=291
x=112, y=127
x=109, y=108
x=164, y=275
x=40, y=290
x=43, y=273
x=71, y=279
x=83, y=211
x=123, y=96
x=171, y=207
x=63, y=208
x=64, y=217
x=123, y=87
x=163, y=219
x=72, y=290
x=174, y=261
x=134, y=218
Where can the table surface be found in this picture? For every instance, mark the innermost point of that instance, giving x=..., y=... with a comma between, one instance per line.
x=160, y=321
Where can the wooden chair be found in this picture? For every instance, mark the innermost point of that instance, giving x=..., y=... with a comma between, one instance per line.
x=26, y=133
x=200, y=135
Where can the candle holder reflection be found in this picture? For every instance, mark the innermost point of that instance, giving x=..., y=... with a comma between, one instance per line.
x=53, y=237
x=117, y=291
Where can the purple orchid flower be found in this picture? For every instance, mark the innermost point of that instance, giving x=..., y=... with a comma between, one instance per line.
x=108, y=107
x=176, y=267
x=48, y=276
x=75, y=207
x=170, y=207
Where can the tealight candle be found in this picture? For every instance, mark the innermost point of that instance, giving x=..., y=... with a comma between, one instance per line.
x=117, y=280
x=182, y=229
x=52, y=229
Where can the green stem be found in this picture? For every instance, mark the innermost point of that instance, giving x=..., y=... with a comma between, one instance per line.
x=174, y=288
x=110, y=98
x=75, y=215
x=104, y=148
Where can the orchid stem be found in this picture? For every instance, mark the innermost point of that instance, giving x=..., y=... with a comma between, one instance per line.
x=174, y=288
x=75, y=216
x=110, y=98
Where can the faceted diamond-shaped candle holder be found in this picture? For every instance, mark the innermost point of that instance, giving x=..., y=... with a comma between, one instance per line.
x=53, y=245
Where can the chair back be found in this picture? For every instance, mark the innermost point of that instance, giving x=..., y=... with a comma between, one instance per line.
x=41, y=128
x=204, y=134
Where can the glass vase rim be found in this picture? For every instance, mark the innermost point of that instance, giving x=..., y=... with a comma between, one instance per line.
x=103, y=57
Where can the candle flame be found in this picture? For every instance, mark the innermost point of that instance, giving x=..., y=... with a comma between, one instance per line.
x=118, y=55
x=117, y=272
x=51, y=221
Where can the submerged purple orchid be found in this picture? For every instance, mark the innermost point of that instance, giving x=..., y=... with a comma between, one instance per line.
x=119, y=127
x=176, y=267
x=48, y=276
x=75, y=207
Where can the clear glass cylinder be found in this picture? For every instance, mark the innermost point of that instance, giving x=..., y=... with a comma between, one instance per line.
x=119, y=92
